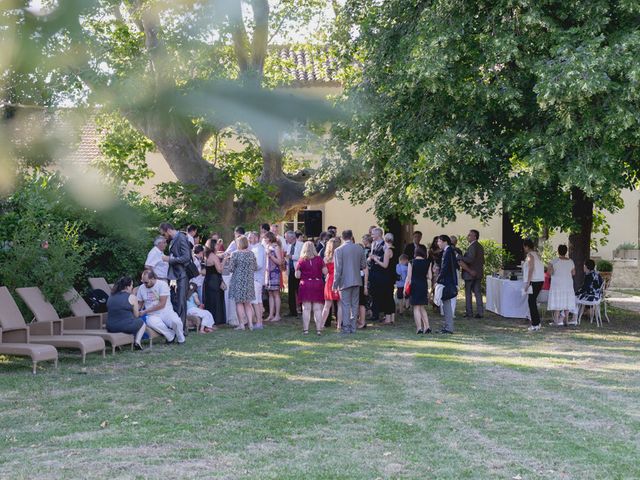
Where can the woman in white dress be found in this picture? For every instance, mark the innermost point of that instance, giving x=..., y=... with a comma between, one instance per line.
x=562, y=297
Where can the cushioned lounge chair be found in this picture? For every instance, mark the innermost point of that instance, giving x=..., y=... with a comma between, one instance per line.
x=80, y=308
x=45, y=333
x=44, y=312
x=16, y=343
x=99, y=283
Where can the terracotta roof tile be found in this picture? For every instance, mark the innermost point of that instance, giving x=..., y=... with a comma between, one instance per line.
x=305, y=66
x=88, y=149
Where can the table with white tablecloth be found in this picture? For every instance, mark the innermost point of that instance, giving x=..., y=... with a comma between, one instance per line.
x=505, y=298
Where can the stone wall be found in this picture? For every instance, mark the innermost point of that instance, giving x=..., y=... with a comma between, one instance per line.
x=626, y=274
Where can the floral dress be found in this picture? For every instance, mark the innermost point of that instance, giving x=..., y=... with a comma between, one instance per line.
x=591, y=289
x=243, y=265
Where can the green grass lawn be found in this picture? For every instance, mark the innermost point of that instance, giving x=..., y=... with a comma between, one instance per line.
x=491, y=401
x=628, y=291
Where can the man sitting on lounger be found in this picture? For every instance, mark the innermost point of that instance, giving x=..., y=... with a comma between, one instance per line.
x=155, y=297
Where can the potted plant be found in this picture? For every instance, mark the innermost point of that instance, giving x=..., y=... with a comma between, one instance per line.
x=605, y=269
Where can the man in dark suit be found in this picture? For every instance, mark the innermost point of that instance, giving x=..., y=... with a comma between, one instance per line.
x=448, y=277
x=178, y=259
x=410, y=248
x=322, y=242
x=472, y=264
x=292, y=250
x=349, y=261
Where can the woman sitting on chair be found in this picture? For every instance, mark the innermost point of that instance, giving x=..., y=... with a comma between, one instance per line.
x=591, y=289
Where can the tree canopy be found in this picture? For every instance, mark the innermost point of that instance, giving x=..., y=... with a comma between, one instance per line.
x=172, y=75
x=476, y=106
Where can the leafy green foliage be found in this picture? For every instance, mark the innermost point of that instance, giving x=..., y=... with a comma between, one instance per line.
x=627, y=246
x=178, y=72
x=182, y=204
x=123, y=149
x=604, y=266
x=41, y=246
x=495, y=257
x=108, y=243
x=45, y=255
x=477, y=106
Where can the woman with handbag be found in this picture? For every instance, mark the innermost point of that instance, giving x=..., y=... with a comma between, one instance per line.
x=448, y=278
x=416, y=289
x=273, y=284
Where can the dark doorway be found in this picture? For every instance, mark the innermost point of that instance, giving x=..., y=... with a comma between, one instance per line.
x=511, y=242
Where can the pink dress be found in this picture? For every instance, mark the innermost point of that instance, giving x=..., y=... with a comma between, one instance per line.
x=311, y=287
x=329, y=294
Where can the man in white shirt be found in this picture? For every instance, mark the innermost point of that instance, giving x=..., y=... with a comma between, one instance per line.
x=292, y=251
x=154, y=261
x=258, y=276
x=238, y=232
x=154, y=298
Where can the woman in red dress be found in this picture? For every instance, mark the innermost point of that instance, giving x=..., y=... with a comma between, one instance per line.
x=309, y=270
x=331, y=295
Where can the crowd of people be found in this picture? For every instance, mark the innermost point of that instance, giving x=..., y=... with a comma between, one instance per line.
x=334, y=277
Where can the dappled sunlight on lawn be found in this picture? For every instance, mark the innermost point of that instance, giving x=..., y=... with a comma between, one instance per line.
x=607, y=336
x=258, y=355
x=292, y=377
x=302, y=343
x=514, y=358
x=467, y=347
x=504, y=361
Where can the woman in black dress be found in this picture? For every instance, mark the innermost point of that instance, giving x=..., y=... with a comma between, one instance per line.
x=385, y=269
x=122, y=311
x=376, y=273
x=419, y=295
x=212, y=287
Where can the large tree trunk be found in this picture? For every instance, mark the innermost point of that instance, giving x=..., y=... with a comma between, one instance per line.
x=289, y=190
x=580, y=240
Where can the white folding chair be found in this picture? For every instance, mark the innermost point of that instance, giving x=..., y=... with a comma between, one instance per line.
x=595, y=307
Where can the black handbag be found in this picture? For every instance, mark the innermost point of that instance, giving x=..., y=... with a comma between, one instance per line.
x=192, y=270
x=97, y=301
x=450, y=291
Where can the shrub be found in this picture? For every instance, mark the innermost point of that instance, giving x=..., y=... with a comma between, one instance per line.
x=495, y=257
x=108, y=243
x=627, y=246
x=604, y=266
x=45, y=255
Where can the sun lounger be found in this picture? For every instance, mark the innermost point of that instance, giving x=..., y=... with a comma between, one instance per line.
x=95, y=320
x=45, y=333
x=80, y=308
x=16, y=343
x=44, y=312
x=99, y=283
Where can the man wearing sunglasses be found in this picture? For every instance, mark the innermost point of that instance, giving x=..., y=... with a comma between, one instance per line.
x=154, y=298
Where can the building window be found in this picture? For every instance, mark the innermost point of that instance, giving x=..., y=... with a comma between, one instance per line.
x=295, y=223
